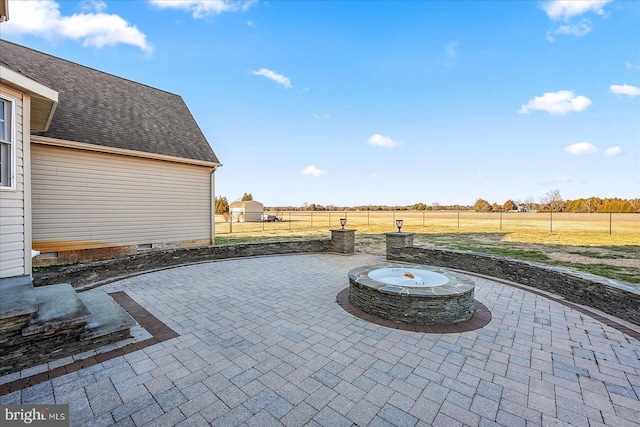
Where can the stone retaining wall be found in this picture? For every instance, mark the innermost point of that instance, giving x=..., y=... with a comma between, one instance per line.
x=101, y=271
x=620, y=299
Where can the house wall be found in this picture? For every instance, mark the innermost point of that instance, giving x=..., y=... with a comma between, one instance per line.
x=15, y=228
x=90, y=205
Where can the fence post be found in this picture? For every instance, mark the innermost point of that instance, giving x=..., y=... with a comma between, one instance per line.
x=329, y=218
x=551, y=222
x=458, y=220
x=500, y=221
x=423, y=218
x=289, y=220
x=230, y=225
x=610, y=214
x=312, y=220
x=368, y=213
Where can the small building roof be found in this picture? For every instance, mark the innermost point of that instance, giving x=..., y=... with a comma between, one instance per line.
x=102, y=109
x=243, y=204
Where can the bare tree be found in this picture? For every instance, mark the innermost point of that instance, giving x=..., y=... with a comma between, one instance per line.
x=553, y=201
x=530, y=203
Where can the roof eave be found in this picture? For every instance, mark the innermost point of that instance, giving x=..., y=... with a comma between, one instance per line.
x=43, y=140
x=44, y=100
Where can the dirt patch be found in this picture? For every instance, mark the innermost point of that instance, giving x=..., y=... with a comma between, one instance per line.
x=585, y=259
x=371, y=244
x=617, y=262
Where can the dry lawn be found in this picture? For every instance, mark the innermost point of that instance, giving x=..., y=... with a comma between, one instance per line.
x=579, y=241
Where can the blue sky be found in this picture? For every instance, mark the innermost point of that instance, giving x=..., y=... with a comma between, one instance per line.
x=380, y=102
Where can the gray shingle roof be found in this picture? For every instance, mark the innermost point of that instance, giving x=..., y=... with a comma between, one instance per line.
x=102, y=109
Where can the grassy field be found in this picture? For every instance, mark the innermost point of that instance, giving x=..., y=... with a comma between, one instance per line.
x=603, y=244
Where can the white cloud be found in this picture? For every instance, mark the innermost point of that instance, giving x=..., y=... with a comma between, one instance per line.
x=625, y=90
x=322, y=116
x=560, y=102
x=565, y=9
x=452, y=49
x=557, y=180
x=578, y=30
x=613, y=151
x=272, y=75
x=580, y=148
x=204, y=8
x=42, y=18
x=93, y=5
x=313, y=171
x=383, y=141
x=631, y=66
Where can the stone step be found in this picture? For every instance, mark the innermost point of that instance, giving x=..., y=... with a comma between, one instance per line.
x=17, y=303
x=60, y=323
x=107, y=317
x=58, y=308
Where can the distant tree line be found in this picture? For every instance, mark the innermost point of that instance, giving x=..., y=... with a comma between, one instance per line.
x=319, y=207
x=596, y=204
x=553, y=202
x=550, y=202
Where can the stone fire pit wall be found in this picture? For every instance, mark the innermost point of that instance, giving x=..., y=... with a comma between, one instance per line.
x=620, y=299
x=444, y=304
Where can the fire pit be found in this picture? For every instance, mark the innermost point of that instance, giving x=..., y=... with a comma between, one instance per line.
x=412, y=294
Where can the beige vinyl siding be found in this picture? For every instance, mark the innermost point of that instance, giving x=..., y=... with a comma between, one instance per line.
x=105, y=199
x=13, y=224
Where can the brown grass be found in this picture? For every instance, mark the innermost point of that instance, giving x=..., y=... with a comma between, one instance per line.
x=557, y=228
x=597, y=243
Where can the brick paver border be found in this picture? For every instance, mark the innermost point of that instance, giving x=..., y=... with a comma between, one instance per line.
x=481, y=318
x=158, y=330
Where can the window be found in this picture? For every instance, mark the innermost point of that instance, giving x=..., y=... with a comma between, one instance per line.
x=6, y=143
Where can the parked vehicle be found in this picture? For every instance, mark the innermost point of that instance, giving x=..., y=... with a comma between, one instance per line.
x=270, y=218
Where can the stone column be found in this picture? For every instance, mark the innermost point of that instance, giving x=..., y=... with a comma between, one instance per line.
x=343, y=241
x=398, y=240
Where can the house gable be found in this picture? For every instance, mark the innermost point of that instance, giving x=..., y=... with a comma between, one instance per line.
x=105, y=110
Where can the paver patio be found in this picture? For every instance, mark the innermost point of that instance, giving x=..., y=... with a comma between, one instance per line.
x=262, y=342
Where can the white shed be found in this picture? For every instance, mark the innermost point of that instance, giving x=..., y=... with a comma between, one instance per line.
x=249, y=211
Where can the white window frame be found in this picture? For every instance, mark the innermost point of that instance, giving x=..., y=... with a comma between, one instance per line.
x=11, y=152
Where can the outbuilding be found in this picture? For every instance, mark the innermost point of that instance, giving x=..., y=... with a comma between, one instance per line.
x=246, y=211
